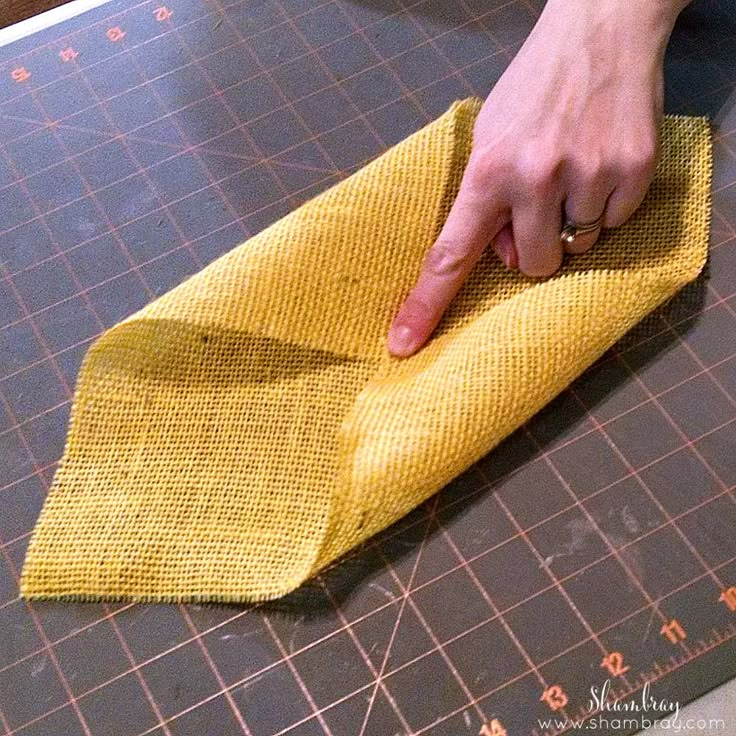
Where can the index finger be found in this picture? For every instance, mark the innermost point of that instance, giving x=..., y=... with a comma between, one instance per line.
x=470, y=226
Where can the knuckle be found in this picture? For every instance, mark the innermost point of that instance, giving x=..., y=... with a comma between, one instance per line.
x=445, y=259
x=638, y=159
x=616, y=216
x=592, y=171
x=415, y=310
x=635, y=166
x=484, y=169
x=538, y=168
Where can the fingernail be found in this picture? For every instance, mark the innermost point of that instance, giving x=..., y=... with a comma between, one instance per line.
x=504, y=253
x=401, y=340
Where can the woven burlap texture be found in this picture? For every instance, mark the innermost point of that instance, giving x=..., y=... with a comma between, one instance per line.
x=248, y=428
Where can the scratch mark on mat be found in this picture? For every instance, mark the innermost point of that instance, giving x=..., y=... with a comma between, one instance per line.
x=40, y=666
x=383, y=590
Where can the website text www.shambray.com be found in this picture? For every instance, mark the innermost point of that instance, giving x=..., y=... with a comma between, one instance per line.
x=608, y=724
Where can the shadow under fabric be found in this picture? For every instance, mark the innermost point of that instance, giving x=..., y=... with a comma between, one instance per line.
x=246, y=429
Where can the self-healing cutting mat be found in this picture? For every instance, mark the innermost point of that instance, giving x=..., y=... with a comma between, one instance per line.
x=142, y=140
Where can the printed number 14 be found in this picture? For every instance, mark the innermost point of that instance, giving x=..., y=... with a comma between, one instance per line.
x=493, y=728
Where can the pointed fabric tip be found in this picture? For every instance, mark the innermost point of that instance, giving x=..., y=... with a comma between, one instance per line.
x=248, y=428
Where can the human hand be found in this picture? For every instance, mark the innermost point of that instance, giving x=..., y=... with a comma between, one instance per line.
x=569, y=133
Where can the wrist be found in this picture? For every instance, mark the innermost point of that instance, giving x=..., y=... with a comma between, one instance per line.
x=638, y=25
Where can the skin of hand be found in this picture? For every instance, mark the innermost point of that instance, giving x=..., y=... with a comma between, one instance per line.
x=569, y=132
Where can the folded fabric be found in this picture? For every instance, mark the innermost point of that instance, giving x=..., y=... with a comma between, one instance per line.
x=249, y=427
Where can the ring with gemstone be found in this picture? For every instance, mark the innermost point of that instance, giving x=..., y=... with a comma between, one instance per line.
x=572, y=230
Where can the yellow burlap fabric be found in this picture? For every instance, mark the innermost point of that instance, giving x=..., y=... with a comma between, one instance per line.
x=249, y=427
